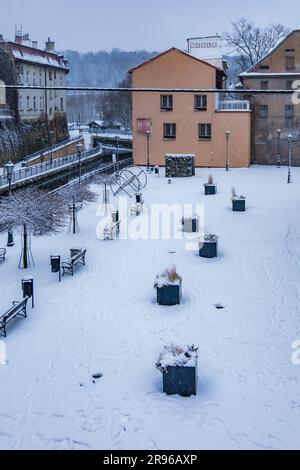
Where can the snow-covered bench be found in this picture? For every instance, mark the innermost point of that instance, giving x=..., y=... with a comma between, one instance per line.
x=110, y=232
x=77, y=258
x=2, y=254
x=137, y=208
x=18, y=309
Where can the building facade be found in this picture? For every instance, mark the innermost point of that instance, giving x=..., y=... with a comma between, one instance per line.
x=39, y=114
x=279, y=70
x=187, y=122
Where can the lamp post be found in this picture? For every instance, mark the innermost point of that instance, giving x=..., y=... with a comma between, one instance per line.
x=290, y=141
x=227, y=134
x=117, y=145
x=278, y=148
x=148, y=134
x=9, y=170
x=79, y=152
x=51, y=133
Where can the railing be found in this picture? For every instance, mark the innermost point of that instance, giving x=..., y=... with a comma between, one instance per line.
x=44, y=167
x=48, y=150
x=233, y=105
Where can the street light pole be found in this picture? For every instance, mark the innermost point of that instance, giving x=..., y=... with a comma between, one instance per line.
x=148, y=133
x=278, y=148
x=117, y=140
x=9, y=169
x=290, y=141
x=79, y=149
x=227, y=134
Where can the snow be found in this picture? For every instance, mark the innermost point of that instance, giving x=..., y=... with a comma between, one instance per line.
x=177, y=356
x=105, y=322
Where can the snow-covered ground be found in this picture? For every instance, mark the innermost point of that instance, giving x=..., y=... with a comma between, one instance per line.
x=105, y=321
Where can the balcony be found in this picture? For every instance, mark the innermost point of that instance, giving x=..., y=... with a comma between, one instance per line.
x=233, y=105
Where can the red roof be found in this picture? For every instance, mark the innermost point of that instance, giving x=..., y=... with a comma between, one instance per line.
x=181, y=52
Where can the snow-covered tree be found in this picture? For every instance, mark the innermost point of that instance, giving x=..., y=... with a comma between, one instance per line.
x=74, y=196
x=32, y=211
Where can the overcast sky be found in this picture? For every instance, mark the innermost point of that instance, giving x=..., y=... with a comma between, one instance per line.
x=94, y=25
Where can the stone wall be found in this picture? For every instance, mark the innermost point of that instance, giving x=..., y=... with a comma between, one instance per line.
x=180, y=166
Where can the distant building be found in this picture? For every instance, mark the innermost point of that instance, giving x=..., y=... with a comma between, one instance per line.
x=187, y=122
x=277, y=70
x=24, y=63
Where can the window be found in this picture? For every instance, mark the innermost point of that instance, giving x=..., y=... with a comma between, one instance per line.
x=200, y=102
x=264, y=66
x=27, y=77
x=166, y=102
x=61, y=104
x=204, y=131
x=34, y=103
x=50, y=74
x=41, y=78
x=28, y=103
x=20, y=103
x=54, y=74
x=289, y=111
x=34, y=79
x=289, y=84
x=290, y=58
x=50, y=111
x=169, y=131
x=264, y=85
x=41, y=104
x=144, y=125
x=264, y=111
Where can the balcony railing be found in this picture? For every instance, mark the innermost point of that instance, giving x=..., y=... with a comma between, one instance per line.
x=233, y=105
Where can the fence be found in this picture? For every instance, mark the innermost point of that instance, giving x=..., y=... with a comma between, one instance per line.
x=52, y=148
x=44, y=167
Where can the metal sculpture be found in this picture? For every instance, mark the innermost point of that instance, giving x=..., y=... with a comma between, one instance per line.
x=131, y=180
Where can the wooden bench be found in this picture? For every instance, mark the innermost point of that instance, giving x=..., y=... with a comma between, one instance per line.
x=18, y=309
x=112, y=231
x=2, y=254
x=77, y=258
x=137, y=208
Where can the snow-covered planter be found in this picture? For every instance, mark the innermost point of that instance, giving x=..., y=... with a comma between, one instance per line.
x=208, y=246
x=179, y=368
x=190, y=224
x=210, y=187
x=238, y=202
x=168, y=287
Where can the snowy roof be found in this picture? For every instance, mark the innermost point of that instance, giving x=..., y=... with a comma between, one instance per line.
x=181, y=52
x=38, y=56
x=270, y=74
x=97, y=123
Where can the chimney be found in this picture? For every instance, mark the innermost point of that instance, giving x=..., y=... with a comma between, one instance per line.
x=26, y=40
x=18, y=34
x=35, y=44
x=50, y=46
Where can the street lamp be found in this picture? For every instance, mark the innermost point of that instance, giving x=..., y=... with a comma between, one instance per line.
x=278, y=148
x=290, y=141
x=148, y=134
x=79, y=150
x=227, y=134
x=9, y=170
x=51, y=134
x=117, y=137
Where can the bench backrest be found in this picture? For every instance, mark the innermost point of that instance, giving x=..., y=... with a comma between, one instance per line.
x=15, y=309
x=78, y=256
x=2, y=250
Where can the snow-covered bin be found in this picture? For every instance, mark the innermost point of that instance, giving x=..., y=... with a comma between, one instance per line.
x=179, y=368
x=190, y=224
x=239, y=204
x=210, y=188
x=208, y=246
x=169, y=288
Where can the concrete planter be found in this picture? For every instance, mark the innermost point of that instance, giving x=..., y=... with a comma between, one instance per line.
x=209, y=247
x=239, y=204
x=169, y=295
x=180, y=381
x=210, y=189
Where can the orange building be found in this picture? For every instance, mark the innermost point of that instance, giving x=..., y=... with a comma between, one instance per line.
x=187, y=122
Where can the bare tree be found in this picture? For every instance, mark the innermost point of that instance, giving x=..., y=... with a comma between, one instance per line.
x=252, y=42
x=74, y=196
x=32, y=211
x=118, y=105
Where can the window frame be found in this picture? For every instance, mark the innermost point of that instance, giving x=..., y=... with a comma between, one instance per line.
x=264, y=115
x=166, y=107
x=165, y=133
x=200, y=108
x=206, y=135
